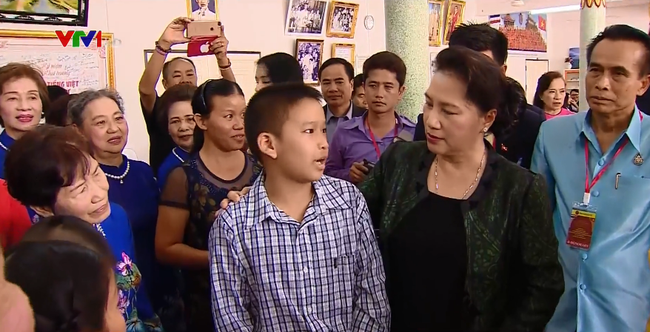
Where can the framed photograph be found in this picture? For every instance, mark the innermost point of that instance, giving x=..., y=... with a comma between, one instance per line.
x=455, y=16
x=342, y=20
x=203, y=10
x=52, y=12
x=343, y=51
x=306, y=17
x=436, y=19
x=309, y=53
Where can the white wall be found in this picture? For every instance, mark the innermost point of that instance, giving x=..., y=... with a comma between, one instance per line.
x=251, y=25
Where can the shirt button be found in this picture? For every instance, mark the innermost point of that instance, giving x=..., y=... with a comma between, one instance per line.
x=596, y=193
x=601, y=162
x=584, y=257
x=583, y=287
x=305, y=270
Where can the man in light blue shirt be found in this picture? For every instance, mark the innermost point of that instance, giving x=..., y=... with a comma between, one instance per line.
x=607, y=275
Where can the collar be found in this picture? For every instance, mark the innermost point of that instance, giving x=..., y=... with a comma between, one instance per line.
x=117, y=169
x=482, y=187
x=6, y=140
x=180, y=153
x=633, y=131
x=360, y=122
x=347, y=116
x=326, y=197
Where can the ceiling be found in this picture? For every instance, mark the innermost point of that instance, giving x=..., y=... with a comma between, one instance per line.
x=489, y=7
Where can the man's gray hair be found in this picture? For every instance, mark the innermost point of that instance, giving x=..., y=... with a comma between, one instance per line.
x=77, y=106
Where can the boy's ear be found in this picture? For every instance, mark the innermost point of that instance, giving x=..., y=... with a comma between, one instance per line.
x=268, y=145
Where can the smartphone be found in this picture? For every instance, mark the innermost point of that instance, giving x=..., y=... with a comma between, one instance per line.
x=203, y=29
x=368, y=165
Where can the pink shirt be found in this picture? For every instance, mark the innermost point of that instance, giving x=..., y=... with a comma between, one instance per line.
x=563, y=112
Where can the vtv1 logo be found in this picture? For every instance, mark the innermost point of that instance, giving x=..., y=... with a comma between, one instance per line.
x=78, y=35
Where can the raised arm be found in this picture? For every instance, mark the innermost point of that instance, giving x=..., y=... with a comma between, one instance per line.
x=220, y=49
x=173, y=34
x=534, y=305
x=230, y=291
x=370, y=312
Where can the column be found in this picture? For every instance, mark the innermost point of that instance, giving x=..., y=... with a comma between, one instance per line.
x=407, y=22
x=592, y=22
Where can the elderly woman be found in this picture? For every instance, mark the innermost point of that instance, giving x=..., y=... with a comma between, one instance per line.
x=481, y=226
x=64, y=179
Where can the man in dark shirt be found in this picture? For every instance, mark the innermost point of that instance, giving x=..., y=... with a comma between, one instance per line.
x=518, y=142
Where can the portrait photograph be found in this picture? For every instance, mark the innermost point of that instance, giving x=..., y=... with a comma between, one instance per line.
x=455, y=16
x=203, y=10
x=54, y=12
x=309, y=54
x=306, y=17
x=342, y=19
x=436, y=19
x=343, y=51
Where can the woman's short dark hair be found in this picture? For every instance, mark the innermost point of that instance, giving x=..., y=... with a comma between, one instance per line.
x=43, y=161
x=57, y=113
x=282, y=68
x=486, y=84
x=202, y=103
x=178, y=92
x=543, y=83
x=55, y=92
x=71, y=229
x=67, y=284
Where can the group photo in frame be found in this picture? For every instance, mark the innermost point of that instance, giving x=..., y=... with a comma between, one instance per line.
x=342, y=19
x=51, y=12
x=309, y=53
x=343, y=51
x=436, y=20
x=203, y=10
x=306, y=17
x=455, y=16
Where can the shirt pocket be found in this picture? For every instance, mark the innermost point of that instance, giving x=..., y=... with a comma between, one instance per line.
x=629, y=202
x=334, y=282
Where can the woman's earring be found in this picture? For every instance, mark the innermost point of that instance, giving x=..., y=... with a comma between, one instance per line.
x=485, y=130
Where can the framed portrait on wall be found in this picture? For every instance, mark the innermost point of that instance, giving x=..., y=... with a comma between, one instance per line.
x=306, y=17
x=309, y=53
x=203, y=10
x=436, y=19
x=343, y=51
x=455, y=16
x=342, y=19
x=52, y=12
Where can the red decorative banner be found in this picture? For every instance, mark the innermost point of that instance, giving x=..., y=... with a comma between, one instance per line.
x=592, y=3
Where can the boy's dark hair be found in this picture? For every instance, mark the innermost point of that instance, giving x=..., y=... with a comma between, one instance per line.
x=282, y=68
x=178, y=92
x=269, y=109
x=358, y=81
x=349, y=69
x=67, y=284
x=623, y=32
x=484, y=79
x=53, y=155
x=543, y=83
x=387, y=61
x=165, y=70
x=481, y=37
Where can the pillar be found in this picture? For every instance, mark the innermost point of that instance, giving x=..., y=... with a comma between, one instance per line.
x=407, y=22
x=592, y=22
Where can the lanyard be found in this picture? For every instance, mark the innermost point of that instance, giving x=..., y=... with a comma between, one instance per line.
x=372, y=137
x=592, y=183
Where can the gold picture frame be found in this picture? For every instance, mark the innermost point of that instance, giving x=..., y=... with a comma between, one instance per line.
x=107, y=40
x=436, y=22
x=455, y=16
x=211, y=13
x=339, y=22
x=309, y=53
x=344, y=51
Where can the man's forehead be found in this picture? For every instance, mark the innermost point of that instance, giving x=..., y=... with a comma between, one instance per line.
x=618, y=53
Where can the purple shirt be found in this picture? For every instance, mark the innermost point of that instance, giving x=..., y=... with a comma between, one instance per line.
x=352, y=143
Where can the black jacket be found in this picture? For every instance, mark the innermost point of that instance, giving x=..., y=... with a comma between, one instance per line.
x=517, y=143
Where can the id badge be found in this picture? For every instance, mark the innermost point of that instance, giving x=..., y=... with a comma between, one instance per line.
x=581, y=229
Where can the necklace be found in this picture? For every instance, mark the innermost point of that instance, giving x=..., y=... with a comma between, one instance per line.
x=177, y=156
x=100, y=229
x=120, y=177
x=478, y=173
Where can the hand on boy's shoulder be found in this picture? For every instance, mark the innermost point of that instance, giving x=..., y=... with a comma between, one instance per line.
x=233, y=197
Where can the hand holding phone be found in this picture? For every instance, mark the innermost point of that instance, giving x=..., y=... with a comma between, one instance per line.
x=203, y=29
x=369, y=165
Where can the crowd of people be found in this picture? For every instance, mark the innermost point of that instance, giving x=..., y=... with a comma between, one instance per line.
x=286, y=215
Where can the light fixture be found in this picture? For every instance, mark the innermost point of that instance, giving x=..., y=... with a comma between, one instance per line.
x=559, y=9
